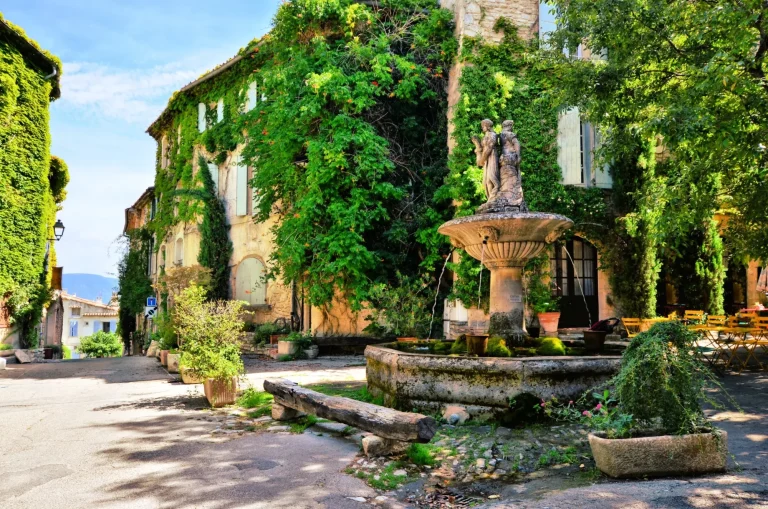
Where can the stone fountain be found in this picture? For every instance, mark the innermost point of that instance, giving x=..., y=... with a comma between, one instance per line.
x=503, y=235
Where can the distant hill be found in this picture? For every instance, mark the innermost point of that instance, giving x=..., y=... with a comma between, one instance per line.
x=89, y=286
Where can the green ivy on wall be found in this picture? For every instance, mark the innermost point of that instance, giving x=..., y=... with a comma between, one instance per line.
x=134, y=285
x=215, y=245
x=31, y=182
x=349, y=147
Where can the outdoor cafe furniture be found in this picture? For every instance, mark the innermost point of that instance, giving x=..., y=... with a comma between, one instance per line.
x=632, y=326
x=693, y=315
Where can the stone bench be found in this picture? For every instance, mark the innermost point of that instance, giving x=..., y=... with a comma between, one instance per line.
x=392, y=431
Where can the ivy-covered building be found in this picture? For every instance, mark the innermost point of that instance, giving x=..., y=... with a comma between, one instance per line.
x=32, y=183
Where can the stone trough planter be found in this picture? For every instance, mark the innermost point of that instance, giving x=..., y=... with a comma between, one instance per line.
x=655, y=456
x=482, y=385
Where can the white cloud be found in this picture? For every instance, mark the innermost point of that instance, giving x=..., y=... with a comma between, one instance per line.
x=132, y=95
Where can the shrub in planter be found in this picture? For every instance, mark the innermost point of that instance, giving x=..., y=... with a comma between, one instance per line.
x=210, y=342
x=661, y=384
x=101, y=344
x=551, y=346
x=460, y=345
x=295, y=344
x=263, y=332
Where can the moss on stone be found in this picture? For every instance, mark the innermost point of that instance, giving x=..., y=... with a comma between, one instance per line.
x=460, y=345
x=551, y=346
x=497, y=347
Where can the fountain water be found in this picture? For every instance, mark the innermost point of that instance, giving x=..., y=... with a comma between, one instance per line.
x=503, y=234
x=437, y=291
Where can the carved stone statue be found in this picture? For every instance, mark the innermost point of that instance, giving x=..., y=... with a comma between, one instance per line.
x=507, y=193
x=487, y=152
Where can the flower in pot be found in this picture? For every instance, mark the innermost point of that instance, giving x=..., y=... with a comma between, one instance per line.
x=658, y=392
x=298, y=345
x=538, y=294
x=210, y=333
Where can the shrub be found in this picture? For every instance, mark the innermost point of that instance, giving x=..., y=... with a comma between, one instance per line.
x=4, y=346
x=460, y=345
x=551, y=346
x=264, y=331
x=251, y=398
x=210, y=334
x=661, y=381
x=101, y=344
x=441, y=347
x=66, y=352
x=497, y=347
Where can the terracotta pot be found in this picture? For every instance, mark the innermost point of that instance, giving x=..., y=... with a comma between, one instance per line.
x=189, y=378
x=287, y=348
x=549, y=322
x=476, y=345
x=700, y=453
x=220, y=392
x=164, y=357
x=408, y=339
x=47, y=353
x=594, y=340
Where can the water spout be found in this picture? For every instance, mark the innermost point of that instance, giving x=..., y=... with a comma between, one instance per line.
x=480, y=283
x=437, y=292
x=578, y=280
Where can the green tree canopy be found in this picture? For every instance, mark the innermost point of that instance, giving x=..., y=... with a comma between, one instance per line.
x=692, y=76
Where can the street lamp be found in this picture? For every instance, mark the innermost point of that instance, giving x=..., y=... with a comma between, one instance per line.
x=58, y=230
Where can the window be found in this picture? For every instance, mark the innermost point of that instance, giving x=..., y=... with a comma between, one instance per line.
x=242, y=191
x=153, y=208
x=249, y=282
x=577, y=142
x=251, y=97
x=220, y=110
x=73, y=328
x=105, y=326
x=164, y=152
x=179, y=259
x=201, y=117
x=214, y=171
x=151, y=260
x=547, y=23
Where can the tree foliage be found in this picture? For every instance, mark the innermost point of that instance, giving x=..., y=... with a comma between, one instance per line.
x=101, y=344
x=691, y=75
x=134, y=285
x=215, y=245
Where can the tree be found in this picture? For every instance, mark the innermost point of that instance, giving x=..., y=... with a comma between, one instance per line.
x=215, y=245
x=101, y=344
x=692, y=77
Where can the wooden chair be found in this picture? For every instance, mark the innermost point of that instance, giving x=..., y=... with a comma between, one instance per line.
x=716, y=320
x=673, y=316
x=693, y=315
x=632, y=326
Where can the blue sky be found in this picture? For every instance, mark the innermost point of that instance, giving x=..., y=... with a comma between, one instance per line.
x=122, y=61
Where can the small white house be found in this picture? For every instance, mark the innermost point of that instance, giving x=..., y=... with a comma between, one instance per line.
x=83, y=317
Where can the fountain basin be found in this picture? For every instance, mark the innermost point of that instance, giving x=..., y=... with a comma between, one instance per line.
x=482, y=385
x=512, y=238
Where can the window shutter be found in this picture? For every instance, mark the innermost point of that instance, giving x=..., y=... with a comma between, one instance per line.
x=220, y=110
x=214, y=171
x=201, y=117
x=252, y=96
x=241, y=208
x=602, y=174
x=254, y=197
x=569, y=146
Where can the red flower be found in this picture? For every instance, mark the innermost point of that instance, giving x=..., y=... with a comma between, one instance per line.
x=599, y=406
x=375, y=83
x=264, y=132
x=570, y=402
x=586, y=413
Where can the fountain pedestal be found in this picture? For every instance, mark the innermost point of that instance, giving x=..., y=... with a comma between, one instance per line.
x=504, y=242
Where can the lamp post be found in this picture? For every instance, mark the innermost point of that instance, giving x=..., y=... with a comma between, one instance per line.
x=58, y=230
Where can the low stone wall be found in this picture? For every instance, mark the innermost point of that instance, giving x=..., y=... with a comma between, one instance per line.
x=482, y=385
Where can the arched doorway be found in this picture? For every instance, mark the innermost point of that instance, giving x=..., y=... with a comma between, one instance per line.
x=575, y=282
x=249, y=284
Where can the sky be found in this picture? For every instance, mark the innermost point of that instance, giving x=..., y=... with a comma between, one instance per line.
x=122, y=61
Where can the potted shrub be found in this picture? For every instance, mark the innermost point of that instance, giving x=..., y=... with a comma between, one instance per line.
x=538, y=295
x=656, y=426
x=210, y=342
x=173, y=361
x=297, y=344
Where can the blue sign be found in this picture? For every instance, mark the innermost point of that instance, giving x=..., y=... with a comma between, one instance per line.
x=151, y=302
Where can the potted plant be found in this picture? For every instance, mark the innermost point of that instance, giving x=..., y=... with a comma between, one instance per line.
x=173, y=361
x=538, y=294
x=210, y=342
x=656, y=425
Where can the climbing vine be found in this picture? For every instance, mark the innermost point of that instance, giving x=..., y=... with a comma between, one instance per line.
x=215, y=245
x=134, y=285
x=349, y=146
x=31, y=182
